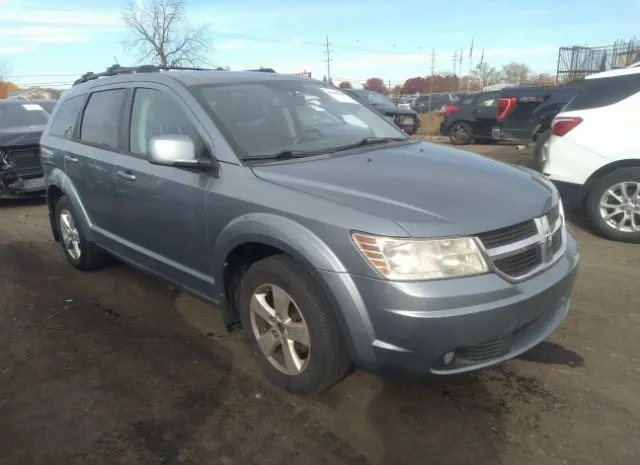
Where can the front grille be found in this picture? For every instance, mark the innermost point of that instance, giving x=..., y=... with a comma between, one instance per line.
x=24, y=161
x=553, y=215
x=521, y=263
x=556, y=241
x=504, y=236
x=524, y=248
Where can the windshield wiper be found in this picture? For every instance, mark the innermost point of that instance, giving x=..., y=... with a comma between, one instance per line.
x=284, y=155
x=369, y=141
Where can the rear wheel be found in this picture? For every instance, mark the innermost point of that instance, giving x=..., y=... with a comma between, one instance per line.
x=80, y=253
x=290, y=327
x=461, y=133
x=538, y=150
x=613, y=205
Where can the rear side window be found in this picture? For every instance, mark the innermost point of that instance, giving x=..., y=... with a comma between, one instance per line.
x=595, y=93
x=101, y=118
x=487, y=100
x=65, y=120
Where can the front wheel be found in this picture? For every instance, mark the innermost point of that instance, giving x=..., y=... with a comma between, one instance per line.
x=290, y=328
x=613, y=205
x=461, y=133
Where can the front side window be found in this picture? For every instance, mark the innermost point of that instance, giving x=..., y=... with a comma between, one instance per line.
x=65, y=119
x=156, y=113
x=15, y=115
x=101, y=118
x=269, y=116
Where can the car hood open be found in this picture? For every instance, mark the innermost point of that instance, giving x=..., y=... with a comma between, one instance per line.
x=427, y=189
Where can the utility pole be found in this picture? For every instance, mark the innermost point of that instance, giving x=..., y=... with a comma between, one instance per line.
x=455, y=62
x=328, y=59
x=433, y=73
x=389, y=88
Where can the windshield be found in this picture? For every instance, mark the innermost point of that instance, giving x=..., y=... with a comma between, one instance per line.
x=13, y=115
x=266, y=117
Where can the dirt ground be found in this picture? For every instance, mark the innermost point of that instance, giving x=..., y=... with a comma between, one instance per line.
x=112, y=367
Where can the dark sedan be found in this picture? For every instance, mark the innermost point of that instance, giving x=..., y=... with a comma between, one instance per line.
x=472, y=119
x=404, y=118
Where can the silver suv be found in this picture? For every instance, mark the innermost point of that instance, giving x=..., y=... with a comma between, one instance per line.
x=318, y=227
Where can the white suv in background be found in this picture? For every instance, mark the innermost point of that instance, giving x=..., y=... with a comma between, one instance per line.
x=593, y=154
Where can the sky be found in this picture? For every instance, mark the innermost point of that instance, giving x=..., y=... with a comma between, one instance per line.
x=49, y=43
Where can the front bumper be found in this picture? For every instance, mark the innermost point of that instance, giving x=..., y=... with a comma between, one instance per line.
x=408, y=123
x=407, y=327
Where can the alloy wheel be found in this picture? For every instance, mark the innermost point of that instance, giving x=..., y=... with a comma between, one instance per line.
x=70, y=234
x=620, y=207
x=280, y=329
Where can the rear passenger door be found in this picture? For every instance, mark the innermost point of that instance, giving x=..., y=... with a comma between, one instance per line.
x=90, y=164
x=161, y=208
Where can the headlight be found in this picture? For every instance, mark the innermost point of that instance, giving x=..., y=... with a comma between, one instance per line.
x=413, y=259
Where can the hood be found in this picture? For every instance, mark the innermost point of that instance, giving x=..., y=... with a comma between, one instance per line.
x=393, y=110
x=429, y=190
x=20, y=136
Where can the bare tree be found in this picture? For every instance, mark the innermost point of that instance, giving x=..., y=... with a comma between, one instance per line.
x=516, y=73
x=162, y=35
x=485, y=75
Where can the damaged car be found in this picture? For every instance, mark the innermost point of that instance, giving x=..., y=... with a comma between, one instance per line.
x=21, y=125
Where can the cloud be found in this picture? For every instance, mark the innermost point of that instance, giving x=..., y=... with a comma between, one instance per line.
x=14, y=49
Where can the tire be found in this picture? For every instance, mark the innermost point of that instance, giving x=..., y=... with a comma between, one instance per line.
x=461, y=133
x=327, y=361
x=538, y=162
x=596, y=193
x=90, y=257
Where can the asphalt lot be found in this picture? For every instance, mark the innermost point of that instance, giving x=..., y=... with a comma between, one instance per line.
x=112, y=367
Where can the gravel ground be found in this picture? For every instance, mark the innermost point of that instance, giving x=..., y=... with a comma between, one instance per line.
x=112, y=367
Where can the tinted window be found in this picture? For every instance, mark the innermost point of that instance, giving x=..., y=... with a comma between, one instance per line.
x=101, y=119
x=595, y=93
x=65, y=120
x=13, y=115
x=155, y=113
x=488, y=100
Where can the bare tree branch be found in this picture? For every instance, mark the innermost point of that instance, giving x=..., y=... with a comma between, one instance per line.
x=161, y=35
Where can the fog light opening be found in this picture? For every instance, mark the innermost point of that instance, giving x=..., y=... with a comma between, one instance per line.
x=448, y=358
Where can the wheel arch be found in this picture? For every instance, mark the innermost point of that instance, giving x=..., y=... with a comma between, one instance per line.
x=257, y=236
x=603, y=171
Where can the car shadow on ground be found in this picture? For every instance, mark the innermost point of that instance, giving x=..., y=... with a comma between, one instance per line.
x=550, y=353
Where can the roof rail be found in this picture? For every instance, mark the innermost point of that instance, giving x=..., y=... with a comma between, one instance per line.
x=116, y=70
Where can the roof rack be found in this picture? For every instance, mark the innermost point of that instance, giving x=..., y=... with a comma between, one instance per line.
x=116, y=70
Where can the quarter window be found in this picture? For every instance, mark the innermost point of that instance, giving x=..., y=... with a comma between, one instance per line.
x=101, y=119
x=66, y=117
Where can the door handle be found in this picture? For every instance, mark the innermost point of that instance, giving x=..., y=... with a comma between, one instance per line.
x=71, y=159
x=126, y=175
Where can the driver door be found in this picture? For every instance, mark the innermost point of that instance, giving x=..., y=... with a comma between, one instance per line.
x=163, y=215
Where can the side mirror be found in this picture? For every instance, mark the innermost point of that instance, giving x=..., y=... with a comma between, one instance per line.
x=175, y=150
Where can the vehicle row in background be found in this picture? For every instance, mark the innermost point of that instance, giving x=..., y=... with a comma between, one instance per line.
x=21, y=125
x=404, y=118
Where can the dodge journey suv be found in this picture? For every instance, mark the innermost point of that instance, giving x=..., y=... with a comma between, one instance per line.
x=317, y=226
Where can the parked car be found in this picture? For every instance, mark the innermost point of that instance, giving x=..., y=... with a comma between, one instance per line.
x=434, y=102
x=404, y=118
x=524, y=114
x=327, y=244
x=21, y=125
x=593, y=154
x=471, y=119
